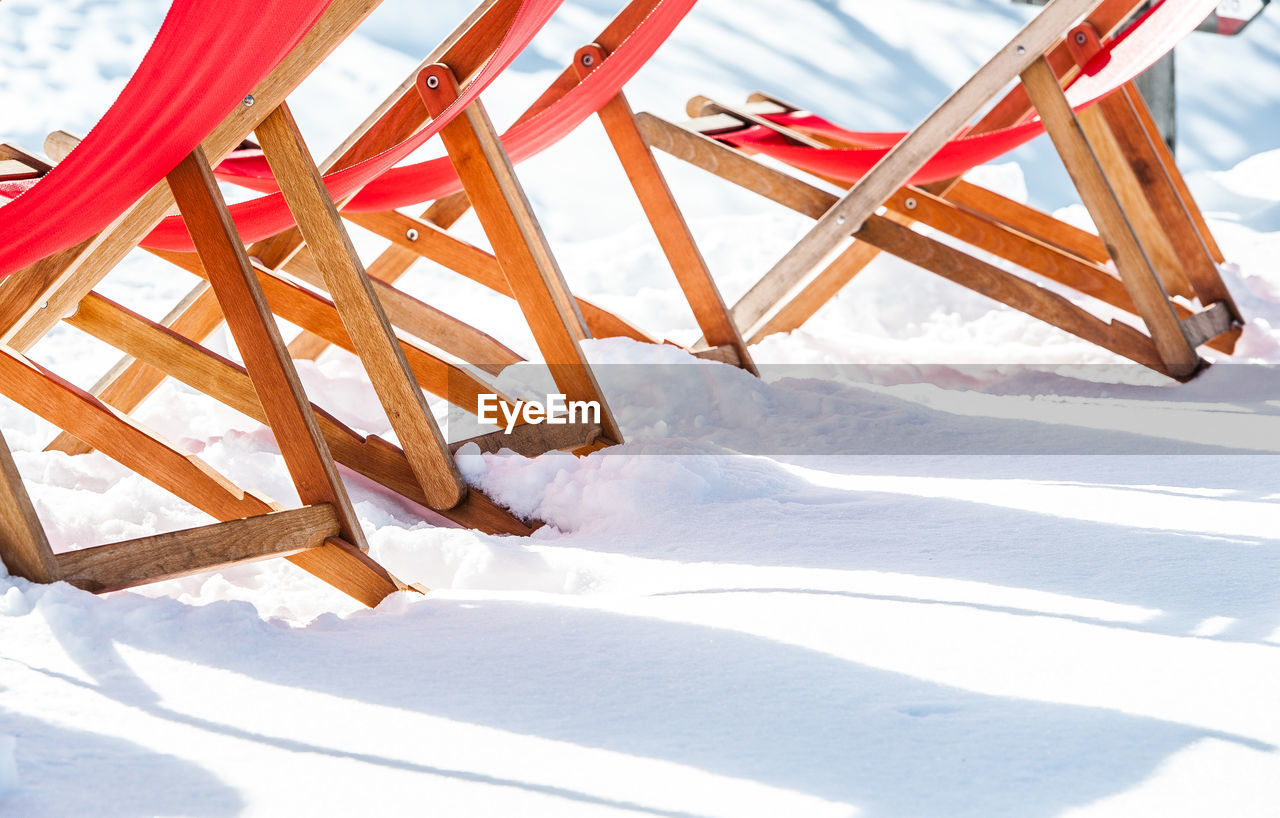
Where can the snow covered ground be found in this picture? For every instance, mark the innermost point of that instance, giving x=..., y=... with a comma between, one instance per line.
x=908, y=573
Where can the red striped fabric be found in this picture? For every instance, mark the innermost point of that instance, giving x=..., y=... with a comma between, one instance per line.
x=267, y=215
x=1122, y=59
x=207, y=55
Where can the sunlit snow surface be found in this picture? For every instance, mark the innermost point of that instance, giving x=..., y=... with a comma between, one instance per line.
x=942, y=560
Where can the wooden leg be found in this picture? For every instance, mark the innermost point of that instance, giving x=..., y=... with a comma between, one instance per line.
x=1018, y=293
x=1135, y=268
x=257, y=337
x=1170, y=212
x=1175, y=175
x=24, y=548
x=517, y=240
x=360, y=309
x=196, y=366
x=713, y=317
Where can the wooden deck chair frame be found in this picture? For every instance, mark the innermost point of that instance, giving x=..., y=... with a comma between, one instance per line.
x=426, y=237
x=170, y=350
x=272, y=387
x=1149, y=225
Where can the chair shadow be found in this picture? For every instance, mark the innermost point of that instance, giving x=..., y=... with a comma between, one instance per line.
x=61, y=772
x=724, y=702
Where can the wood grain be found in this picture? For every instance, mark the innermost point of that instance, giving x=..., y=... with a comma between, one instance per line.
x=285, y=404
x=519, y=244
x=24, y=548
x=829, y=235
x=362, y=315
x=1114, y=228
x=650, y=186
x=159, y=557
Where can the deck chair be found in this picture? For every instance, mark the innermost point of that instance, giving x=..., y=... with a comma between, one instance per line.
x=1148, y=225
x=267, y=387
x=634, y=34
x=66, y=206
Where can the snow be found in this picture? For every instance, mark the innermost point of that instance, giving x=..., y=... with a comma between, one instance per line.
x=940, y=560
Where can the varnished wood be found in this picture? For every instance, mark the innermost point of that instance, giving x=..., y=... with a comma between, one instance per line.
x=127, y=384
x=1025, y=219
x=24, y=548
x=1171, y=168
x=424, y=321
x=995, y=283
x=1127, y=189
x=519, y=244
x=1171, y=214
x=361, y=312
x=830, y=234
x=1135, y=269
x=317, y=314
x=285, y=404
x=223, y=380
x=159, y=557
x=650, y=186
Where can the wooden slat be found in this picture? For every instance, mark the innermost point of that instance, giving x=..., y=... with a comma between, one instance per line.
x=1171, y=216
x=318, y=315
x=1035, y=223
x=531, y=271
x=995, y=283
x=361, y=312
x=176, y=554
x=127, y=384
x=532, y=439
x=424, y=321
x=1011, y=245
x=285, y=403
x=11, y=152
x=1175, y=175
x=714, y=157
x=24, y=548
x=60, y=281
x=434, y=243
x=690, y=268
x=223, y=380
x=1127, y=188
x=1135, y=270
x=830, y=234
x=69, y=407
x=1208, y=323
x=12, y=170
x=402, y=113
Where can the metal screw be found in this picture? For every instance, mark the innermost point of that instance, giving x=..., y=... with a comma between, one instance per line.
x=1081, y=39
x=433, y=81
x=411, y=234
x=1022, y=49
x=911, y=204
x=588, y=60
x=839, y=219
x=248, y=100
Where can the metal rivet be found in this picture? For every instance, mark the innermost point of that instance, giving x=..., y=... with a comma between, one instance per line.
x=588, y=60
x=911, y=204
x=1022, y=49
x=248, y=100
x=433, y=81
x=411, y=234
x=44, y=305
x=839, y=219
x=1081, y=39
